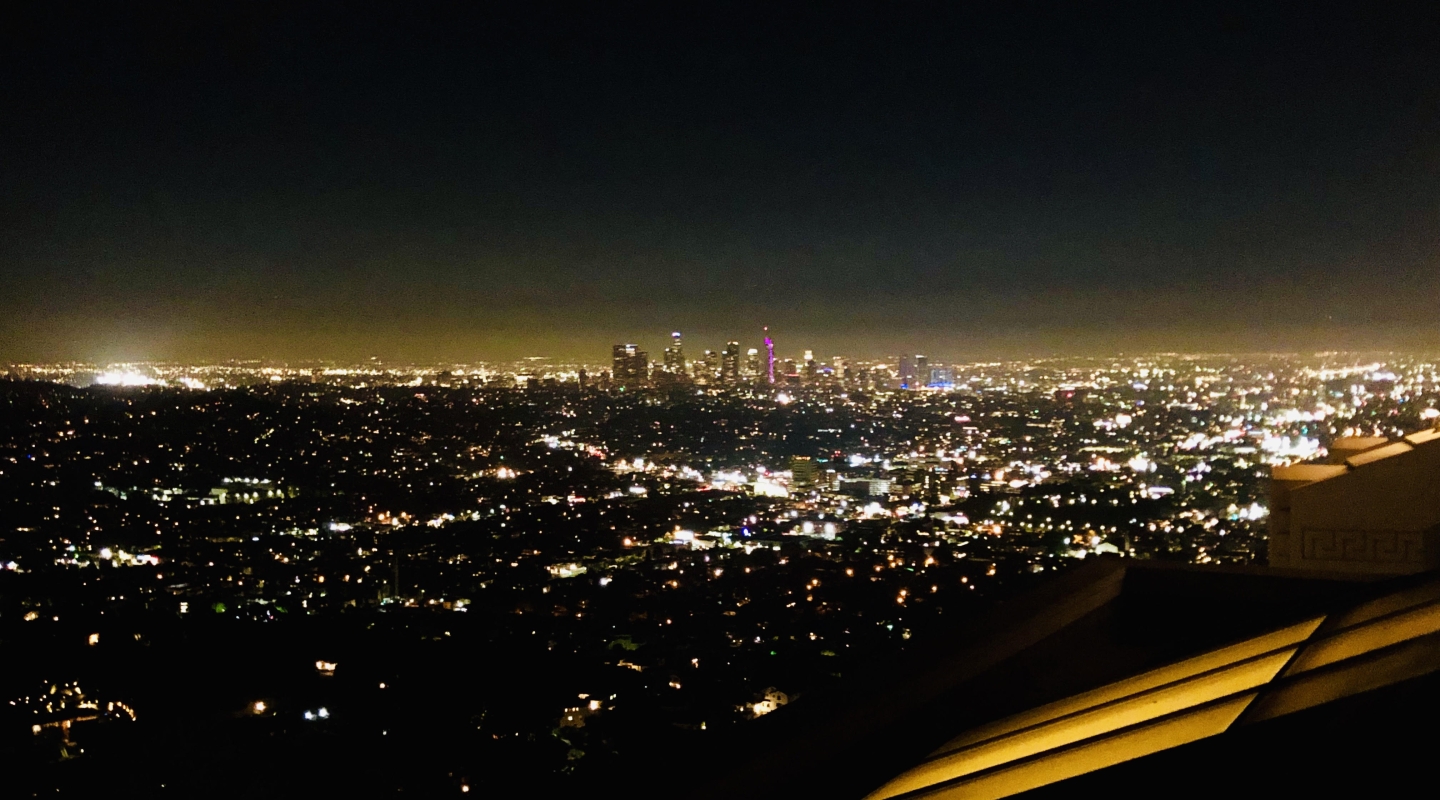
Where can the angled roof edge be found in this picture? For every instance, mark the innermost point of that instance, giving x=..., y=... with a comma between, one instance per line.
x=1367, y=645
x=850, y=738
x=1365, y=454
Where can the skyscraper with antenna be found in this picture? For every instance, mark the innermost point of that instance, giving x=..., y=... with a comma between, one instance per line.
x=675, y=355
x=769, y=356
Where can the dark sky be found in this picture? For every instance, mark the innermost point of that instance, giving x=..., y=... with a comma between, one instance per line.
x=967, y=180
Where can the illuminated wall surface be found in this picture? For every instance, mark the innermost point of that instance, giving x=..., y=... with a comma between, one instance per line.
x=1374, y=508
x=1374, y=644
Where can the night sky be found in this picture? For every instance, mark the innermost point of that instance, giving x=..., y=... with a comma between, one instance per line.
x=965, y=180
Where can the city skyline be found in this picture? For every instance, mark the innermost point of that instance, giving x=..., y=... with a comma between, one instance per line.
x=197, y=561
x=853, y=400
x=591, y=348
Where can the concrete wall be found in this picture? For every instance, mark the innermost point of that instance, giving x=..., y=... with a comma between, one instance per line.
x=1381, y=516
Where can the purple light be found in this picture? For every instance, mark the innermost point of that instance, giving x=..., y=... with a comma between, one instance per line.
x=769, y=355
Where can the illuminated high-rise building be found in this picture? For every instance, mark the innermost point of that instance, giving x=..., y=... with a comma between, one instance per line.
x=789, y=370
x=730, y=363
x=907, y=373
x=752, y=364
x=630, y=366
x=805, y=473
x=675, y=355
x=769, y=356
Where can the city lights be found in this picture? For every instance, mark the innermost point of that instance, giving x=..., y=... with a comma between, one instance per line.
x=811, y=524
x=597, y=383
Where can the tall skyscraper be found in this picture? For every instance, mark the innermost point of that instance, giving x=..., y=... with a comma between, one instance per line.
x=752, y=364
x=769, y=356
x=620, y=361
x=675, y=355
x=907, y=372
x=804, y=472
x=630, y=366
x=730, y=363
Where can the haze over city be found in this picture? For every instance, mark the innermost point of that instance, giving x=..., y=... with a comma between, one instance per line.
x=904, y=401
x=975, y=182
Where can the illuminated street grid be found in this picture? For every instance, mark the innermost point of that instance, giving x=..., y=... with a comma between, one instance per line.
x=689, y=544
